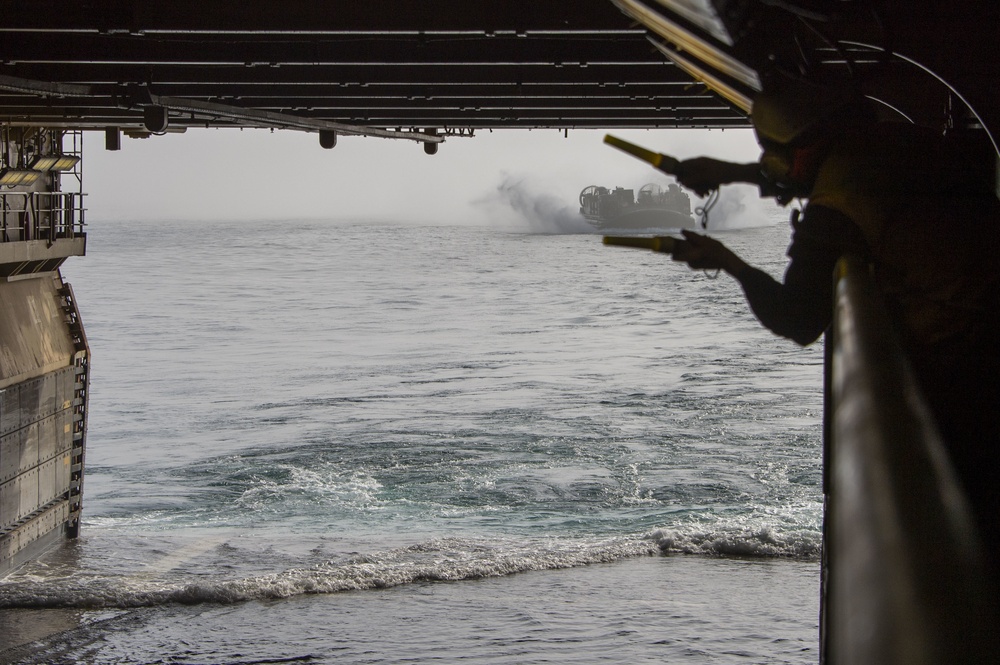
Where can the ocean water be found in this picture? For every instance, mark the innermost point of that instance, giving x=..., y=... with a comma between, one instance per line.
x=354, y=442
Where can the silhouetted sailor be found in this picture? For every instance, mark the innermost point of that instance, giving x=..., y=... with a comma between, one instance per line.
x=906, y=200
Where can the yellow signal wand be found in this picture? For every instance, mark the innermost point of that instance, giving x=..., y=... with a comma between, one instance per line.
x=665, y=163
x=663, y=244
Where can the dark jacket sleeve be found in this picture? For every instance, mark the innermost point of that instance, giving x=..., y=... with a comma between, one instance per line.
x=801, y=306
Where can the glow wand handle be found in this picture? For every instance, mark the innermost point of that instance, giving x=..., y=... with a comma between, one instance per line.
x=663, y=244
x=665, y=163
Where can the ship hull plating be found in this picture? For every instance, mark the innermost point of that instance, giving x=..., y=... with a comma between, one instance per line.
x=43, y=385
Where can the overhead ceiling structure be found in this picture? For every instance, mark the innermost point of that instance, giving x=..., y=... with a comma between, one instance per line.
x=380, y=64
x=423, y=69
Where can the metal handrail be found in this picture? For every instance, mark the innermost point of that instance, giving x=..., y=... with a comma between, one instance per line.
x=41, y=215
x=904, y=575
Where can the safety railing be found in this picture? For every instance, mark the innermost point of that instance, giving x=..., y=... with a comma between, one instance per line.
x=904, y=579
x=41, y=215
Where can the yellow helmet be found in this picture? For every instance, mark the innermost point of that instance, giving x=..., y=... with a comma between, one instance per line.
x=791, y=119
x=794, y=111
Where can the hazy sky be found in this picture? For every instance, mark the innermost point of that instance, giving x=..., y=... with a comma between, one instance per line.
x=259, y=174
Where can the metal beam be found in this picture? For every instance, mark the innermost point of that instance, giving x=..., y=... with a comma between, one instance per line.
x=369, y=50
x=907, y=578
x=215, y=110
x=219, y=16
x=388, y=64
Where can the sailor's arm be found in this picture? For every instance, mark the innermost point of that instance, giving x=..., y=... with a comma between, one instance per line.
x=706, y=253
x=799, y=307
x=703, y=174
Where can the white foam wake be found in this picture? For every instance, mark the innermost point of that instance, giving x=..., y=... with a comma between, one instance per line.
x=435, y=560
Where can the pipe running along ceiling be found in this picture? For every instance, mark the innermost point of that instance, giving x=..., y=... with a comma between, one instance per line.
x=423, y=70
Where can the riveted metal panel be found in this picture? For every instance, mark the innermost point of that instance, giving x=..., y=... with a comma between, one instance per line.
x=28, y=484
x=28, y=400
x=64, y=472
x=10, y=455
x=40, y=390
x=65, y=387
x=29, y=448
x=33, y=537
x=10, y=501
x=35, y=461
x=47, y=488
x=63, y=431
x=7, y=544
x=48, y=388
x=10, y=412
x=28, y=532
x=46, y=438
x=46, y=522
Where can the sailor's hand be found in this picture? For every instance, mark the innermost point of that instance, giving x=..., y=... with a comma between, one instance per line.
x=705, y=253
x=703, y=174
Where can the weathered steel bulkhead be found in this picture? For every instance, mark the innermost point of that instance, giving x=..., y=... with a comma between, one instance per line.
x=44, y=362
x=42, y=420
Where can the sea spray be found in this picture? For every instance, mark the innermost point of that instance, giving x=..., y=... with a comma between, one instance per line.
x=437, y=560
x=739, y=207
x=521, y=205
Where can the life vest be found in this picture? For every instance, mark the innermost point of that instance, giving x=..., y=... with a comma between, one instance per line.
x=932, y=230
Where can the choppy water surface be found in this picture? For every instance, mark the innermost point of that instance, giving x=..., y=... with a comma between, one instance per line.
x=355, y=442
